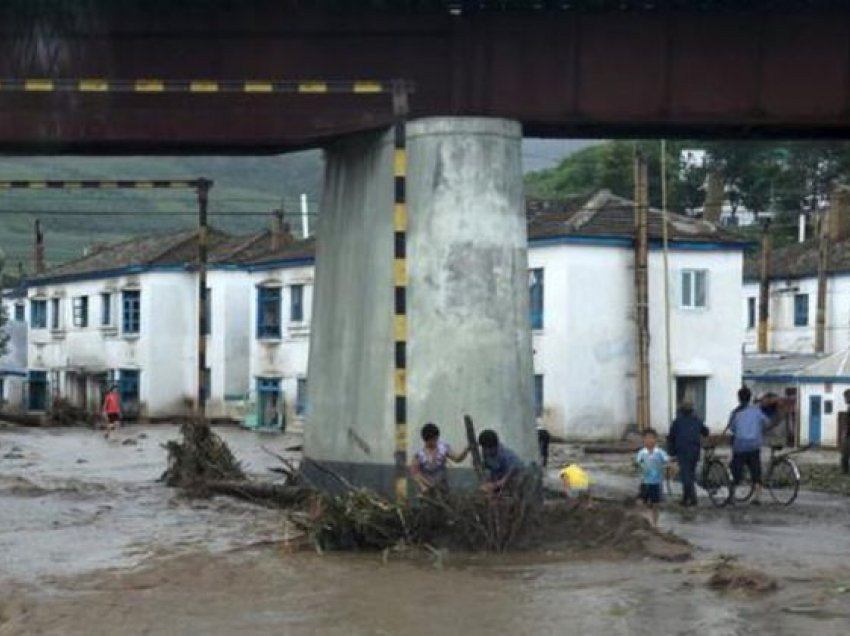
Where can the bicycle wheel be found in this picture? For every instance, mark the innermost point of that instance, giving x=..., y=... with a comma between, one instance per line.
x=743, y=491
x=783, y=481
x=717, y=482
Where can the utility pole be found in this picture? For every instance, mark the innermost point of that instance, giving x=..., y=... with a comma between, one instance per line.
x=764, y=287
x=642, y=290
x=203, y=189
x=824, y=248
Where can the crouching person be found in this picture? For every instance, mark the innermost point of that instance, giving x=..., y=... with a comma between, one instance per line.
x=429, y=468
x=502, y=465
x=576, y=484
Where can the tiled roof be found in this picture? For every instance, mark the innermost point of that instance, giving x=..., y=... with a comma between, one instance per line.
x=798, y=260
x=607, y=215
x=602, y=215
x=798, y=365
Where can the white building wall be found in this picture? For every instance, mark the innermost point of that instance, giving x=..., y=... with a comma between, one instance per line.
x=783, y=335
x=586, y=349
x=14, y=363
x=283, y=358
x=160, y=351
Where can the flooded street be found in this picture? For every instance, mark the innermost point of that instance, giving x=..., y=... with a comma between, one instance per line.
x=92, y=544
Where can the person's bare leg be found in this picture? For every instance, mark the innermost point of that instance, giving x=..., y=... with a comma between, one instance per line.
x=654, y=513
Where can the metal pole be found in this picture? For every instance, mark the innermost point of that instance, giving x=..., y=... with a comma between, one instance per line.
x=764, y=288
x=641, y=291
x=665, y=241
x=203, y=188
x=305, y=221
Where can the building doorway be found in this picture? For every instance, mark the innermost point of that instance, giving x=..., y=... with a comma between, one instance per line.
x=691, y=388
x=37, y=391
x=128, y=388
x=269, y=404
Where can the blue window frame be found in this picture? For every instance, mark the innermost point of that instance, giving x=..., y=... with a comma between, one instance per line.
x=55, y=313
x=131, y=319
x=106, y=309
x=38, y=314
x=301, y=396
x=535, y=287
x=81, y=311
x=268, y=312
x=801, y=310
x=19, y=312
x=538, y=396
x=296, y=303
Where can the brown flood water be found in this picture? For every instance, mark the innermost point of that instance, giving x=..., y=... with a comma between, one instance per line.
x=96, y=547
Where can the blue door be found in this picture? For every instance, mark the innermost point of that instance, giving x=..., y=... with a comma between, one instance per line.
x=814, y=419
x=269, y=404
x=128, y=388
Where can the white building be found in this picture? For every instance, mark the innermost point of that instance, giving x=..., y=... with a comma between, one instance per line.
x=813, y=387
x=13, y=365
x=581, y=259
x=792, y=301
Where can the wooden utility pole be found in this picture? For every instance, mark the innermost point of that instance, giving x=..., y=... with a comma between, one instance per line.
x=203, y=188
x=764, y=288
x=824, y=248
x=642, y=290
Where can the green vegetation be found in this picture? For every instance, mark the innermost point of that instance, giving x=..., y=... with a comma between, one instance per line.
x=784, y=178
x=246, y=190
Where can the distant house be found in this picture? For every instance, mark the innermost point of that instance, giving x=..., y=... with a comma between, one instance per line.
x=581, y=279
x=813, y=386
x=793, y=299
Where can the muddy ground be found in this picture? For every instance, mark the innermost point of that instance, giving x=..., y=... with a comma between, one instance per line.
x=91, y=544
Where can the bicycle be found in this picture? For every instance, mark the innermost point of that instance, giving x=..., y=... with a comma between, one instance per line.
x=713, y=476
x=782, y=478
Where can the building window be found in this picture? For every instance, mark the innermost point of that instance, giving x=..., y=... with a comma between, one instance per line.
x=827, y=407
x=55, y=313
x=535, y=288
x=38, y=314
x=206, y=325
x=296, y=303
x=751, y=312
x=132, y=316
x=268, y=312
x=301, y=396
x=106, y=309
x=81, y=311
x=801, y=310
x=19, y=312
x=694, y=288
x=538, y=396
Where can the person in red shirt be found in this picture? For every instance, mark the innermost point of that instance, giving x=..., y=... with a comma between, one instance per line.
x=111, y=410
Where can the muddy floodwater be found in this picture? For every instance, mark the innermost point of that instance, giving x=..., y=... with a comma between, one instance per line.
x=91, y=544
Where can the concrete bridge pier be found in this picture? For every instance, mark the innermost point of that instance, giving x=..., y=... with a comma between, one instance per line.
x=467, y=320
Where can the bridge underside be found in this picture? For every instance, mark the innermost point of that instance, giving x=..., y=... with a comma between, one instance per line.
x=560, y=73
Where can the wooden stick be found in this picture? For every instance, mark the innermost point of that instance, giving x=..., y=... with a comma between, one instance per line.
x=477, y=464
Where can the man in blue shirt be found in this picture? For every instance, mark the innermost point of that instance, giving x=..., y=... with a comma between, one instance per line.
x=500, y=462
x=747, y=424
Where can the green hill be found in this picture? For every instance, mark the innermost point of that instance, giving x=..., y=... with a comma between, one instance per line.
x=245, y=191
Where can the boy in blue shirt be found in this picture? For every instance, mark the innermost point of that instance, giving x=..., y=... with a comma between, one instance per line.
x=651, y=461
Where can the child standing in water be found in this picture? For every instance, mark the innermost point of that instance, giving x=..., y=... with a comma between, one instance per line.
x=651, y=461
x=429, y=467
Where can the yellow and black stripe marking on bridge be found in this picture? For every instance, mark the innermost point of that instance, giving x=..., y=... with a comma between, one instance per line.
x=198, y=86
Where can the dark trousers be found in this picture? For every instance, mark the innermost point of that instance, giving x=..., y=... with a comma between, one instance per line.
x=543, y=439
x=687, y=473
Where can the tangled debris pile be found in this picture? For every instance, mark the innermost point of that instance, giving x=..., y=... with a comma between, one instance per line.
x=200, y=459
